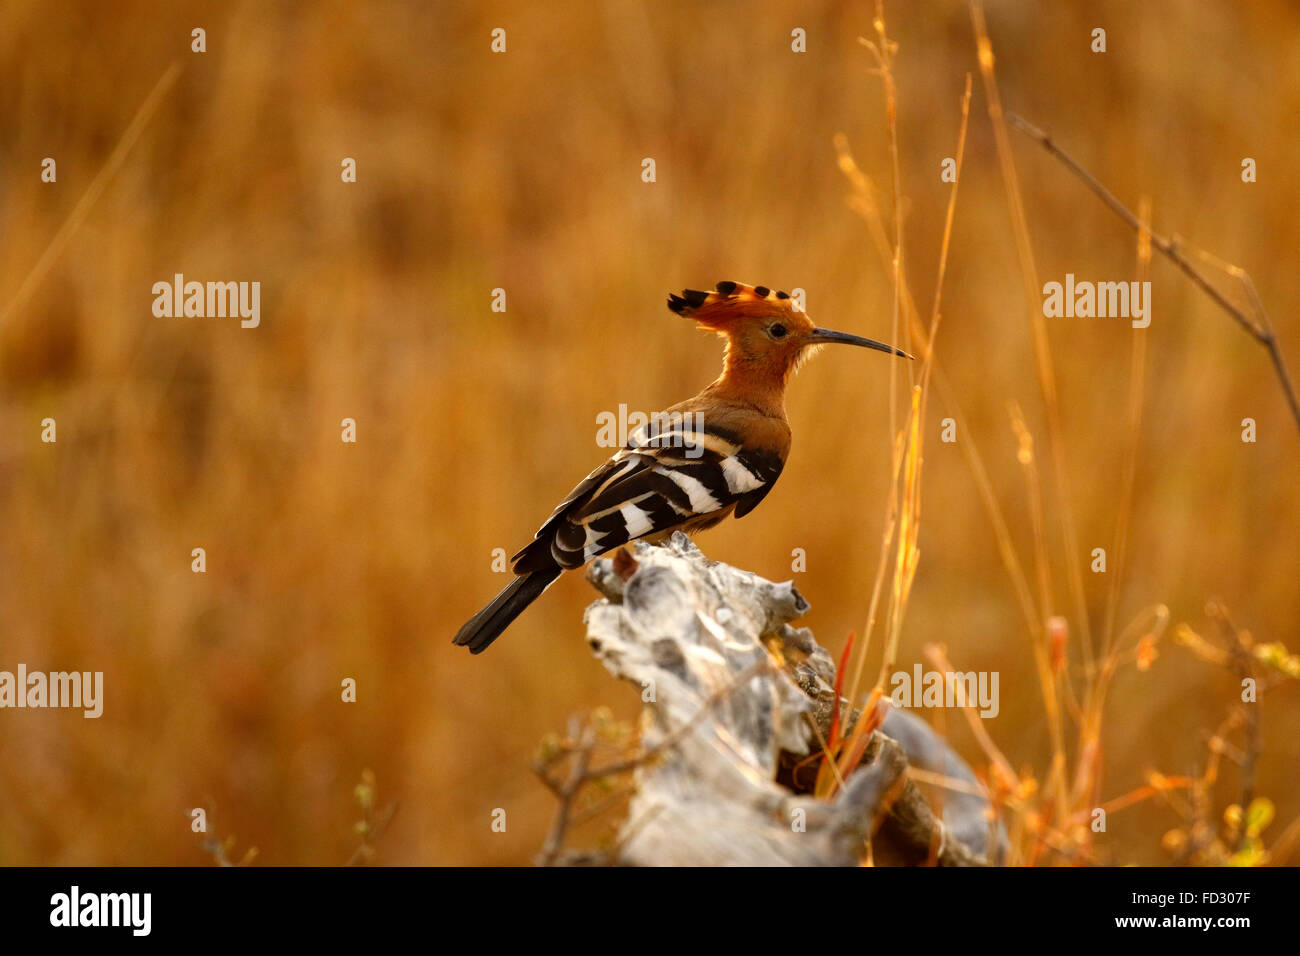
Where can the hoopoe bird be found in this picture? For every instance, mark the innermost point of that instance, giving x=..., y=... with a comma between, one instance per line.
x=700, y=460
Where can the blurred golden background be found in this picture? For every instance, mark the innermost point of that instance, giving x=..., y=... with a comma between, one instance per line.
x=522, y=171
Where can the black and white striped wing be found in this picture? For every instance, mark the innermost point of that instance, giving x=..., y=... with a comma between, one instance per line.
x=666, y=480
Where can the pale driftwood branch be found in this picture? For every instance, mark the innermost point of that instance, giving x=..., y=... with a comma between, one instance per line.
x=727, y=718
x=1259, y=327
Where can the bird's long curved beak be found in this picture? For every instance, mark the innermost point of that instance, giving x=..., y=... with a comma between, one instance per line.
x=831, y=337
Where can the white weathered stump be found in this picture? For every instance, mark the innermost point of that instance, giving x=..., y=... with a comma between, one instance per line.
x=691, y=635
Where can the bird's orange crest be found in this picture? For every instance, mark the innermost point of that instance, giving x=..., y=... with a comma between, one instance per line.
x=730, y=302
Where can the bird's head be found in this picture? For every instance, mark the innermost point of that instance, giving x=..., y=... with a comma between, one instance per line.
x=764, y=330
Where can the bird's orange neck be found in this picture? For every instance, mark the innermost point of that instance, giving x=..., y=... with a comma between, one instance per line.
x=756, y=380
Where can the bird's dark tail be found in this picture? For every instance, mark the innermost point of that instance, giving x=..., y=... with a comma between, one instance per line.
x=486, y=626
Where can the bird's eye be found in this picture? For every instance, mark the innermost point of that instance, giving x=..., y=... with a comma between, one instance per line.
x=776, y=331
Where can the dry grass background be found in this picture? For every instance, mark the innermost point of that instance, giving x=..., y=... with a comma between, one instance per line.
x=522, y=171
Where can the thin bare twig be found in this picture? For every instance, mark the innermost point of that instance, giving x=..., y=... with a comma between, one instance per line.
x=566, y=793
x=582, y=773
x=1243, y=665
x=1259, y=327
